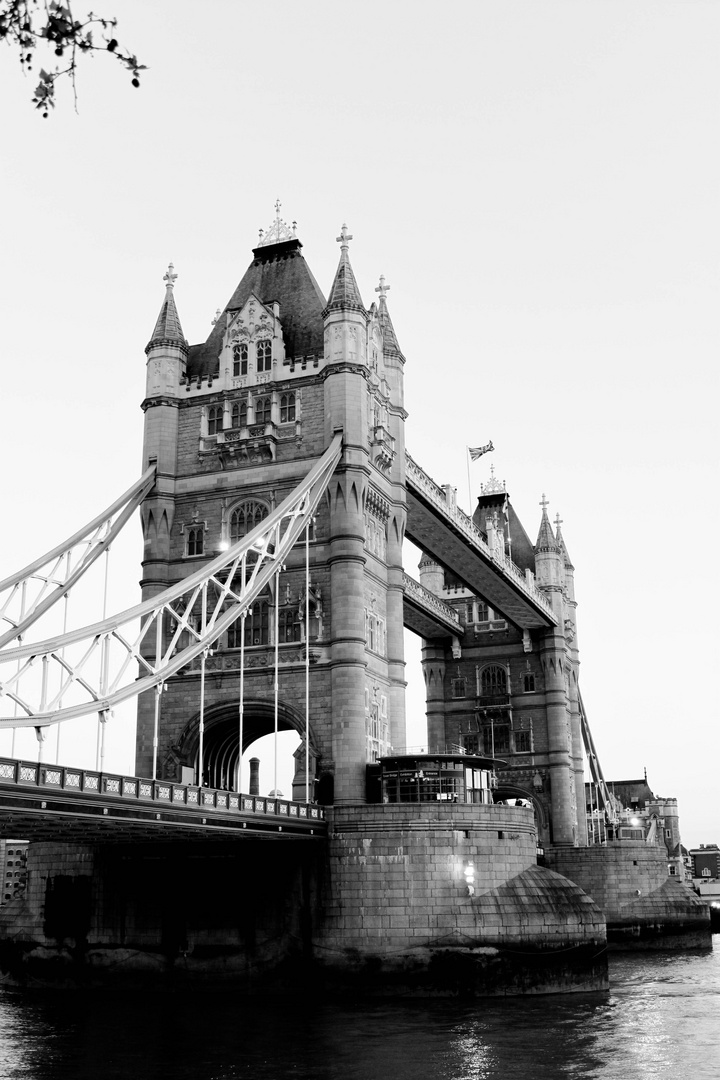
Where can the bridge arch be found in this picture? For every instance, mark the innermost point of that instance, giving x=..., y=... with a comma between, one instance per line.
x=222, y=736
x=506, y=790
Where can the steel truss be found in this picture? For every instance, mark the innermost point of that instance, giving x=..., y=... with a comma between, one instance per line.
x=32, y=591
x=92, y=669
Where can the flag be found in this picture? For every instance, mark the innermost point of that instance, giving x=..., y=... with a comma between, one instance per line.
x=478, y=451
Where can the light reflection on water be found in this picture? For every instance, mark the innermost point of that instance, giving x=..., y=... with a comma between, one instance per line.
x=659, y=1020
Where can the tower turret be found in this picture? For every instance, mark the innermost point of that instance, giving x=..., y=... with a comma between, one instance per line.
x=166, y=354
x=549, y=562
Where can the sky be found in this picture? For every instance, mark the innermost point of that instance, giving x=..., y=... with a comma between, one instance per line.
x=538, y=182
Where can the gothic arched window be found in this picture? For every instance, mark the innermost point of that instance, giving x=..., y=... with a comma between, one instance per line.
x=263, y=351
x=528, y=682
x=239, y=414
x=257, y=624
x=245, y=517
x=262, y=410
x=215, y=419
x=493, y=681
x=287, y=408
x=195, y=541
x=240, y=360
x=288, y=624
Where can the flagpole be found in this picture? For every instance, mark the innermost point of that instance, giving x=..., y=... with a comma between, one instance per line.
x=467, y=454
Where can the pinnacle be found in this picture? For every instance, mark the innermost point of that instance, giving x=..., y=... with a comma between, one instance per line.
x=546, y=538
x=167, y=327
x=344, y=294
x=390, y=341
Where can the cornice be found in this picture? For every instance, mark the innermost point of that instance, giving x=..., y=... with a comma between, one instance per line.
x=161, y=399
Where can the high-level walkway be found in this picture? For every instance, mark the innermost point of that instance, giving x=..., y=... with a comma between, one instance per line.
x=448, y=535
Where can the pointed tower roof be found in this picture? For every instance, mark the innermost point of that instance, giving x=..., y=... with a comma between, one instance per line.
x=344, y=294
x=390, y=341
x=559, y=539
x=546, y=539
x=279, y=273
x=167, y=328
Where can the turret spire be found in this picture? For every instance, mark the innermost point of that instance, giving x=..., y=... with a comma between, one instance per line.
x=344, y=294
x=390, y=341
x=546, y=539
x=167, y=328
x=561, y=543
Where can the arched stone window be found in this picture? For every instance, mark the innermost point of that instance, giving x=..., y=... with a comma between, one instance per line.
x=257, y=624
x=239, y=414
x=262, y=410
x=528, y=682
x=263, y=352
x=493, y=681
x=215, y=419
x=287, y=408
x=195, y=540
x=240, y=360
x=245, y=517
x=288, y=624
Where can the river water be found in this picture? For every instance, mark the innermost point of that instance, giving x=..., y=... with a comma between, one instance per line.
x=661, y=1018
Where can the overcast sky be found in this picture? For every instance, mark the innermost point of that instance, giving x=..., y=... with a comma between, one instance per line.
x=538, y=182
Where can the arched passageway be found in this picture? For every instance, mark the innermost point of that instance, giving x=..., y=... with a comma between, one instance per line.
x=221, y=741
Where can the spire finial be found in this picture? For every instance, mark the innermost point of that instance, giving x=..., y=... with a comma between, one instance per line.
x=170, y=276
x=544, y=503
x=558, y=521
x=279, y=231
x=382, y=288
x=216, y=317
x=343, y=238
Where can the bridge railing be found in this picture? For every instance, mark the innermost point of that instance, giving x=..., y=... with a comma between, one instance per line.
x=435, y=495
x=137, y=790
x=428, y=599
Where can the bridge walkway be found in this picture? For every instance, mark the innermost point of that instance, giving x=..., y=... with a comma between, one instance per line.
x=440, y=528
x=60, y=803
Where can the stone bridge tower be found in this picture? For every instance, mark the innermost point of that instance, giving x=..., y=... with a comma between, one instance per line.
x=509, y=692
x=233, y=425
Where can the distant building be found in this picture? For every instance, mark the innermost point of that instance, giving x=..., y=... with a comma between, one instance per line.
x=642, y=816
x=705, y=863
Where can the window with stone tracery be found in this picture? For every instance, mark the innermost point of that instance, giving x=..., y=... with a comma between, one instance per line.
x=257, y=624
x=245, y=517
x=215, y=419
x=195, y=540
x=375, y=536
x=522, y=741
x=263, y=410
x=263, y=353
x=240, y=360
x=239, y=414
x=288, y=624
x=287, y=408
x=493, y=681
x=374, y=632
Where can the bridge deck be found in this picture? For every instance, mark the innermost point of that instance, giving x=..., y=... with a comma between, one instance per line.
x=449, y=536
x=48, y=802
x=426, y=614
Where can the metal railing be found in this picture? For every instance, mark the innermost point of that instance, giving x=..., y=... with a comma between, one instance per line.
x=137, y=790
x=435, y=495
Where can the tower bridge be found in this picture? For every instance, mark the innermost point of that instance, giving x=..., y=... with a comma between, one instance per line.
x=275, y=498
